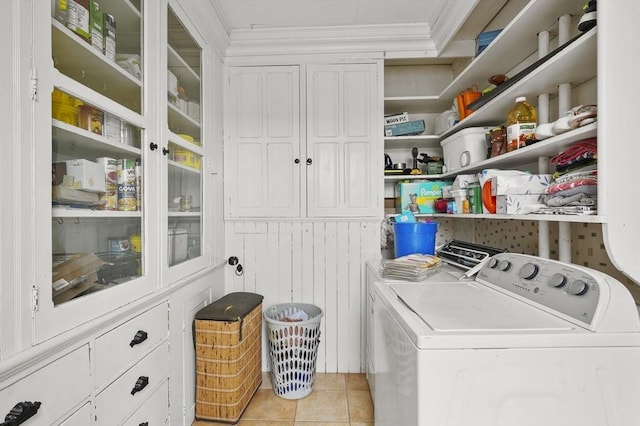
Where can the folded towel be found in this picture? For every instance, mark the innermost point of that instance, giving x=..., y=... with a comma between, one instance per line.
x=585, y=149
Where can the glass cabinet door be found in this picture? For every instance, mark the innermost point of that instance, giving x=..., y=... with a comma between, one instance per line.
x=94, y=74
x=185, y=161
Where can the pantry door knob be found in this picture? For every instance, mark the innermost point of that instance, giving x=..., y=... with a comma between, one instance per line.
x=153, y=146
x=309, y=161
x=165, y=151
x=297, y=161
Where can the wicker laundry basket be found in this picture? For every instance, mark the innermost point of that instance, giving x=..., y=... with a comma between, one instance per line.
x=228, y=346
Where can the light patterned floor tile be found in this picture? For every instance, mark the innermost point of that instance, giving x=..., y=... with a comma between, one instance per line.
x=324, y=406
x=336, y=400
x=356, y=381
x=266, y=405
x=360, y=406
x=329, y=381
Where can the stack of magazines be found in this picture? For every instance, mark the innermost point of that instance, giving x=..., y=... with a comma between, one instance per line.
x=412, y=267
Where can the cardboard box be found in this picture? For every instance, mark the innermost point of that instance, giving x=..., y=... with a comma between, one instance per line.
x=76, y=270
x=89, y=176
x=78, y=18
x=58, y=170
x=484, y=39
x=520, y=184
x=109, y=37
x=418, y=197
x=172, y=86
x=517, y=203
x=415, y=127
x=96, y=23
x=193, y=110
x=91, y=119
x=112, y=127
x=390, y=119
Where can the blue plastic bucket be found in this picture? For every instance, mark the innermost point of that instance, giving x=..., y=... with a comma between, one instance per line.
x=415, y=237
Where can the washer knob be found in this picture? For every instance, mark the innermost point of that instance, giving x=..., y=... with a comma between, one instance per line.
x=493, y=262
x=577, y=288
x=504, y=265
x=528, y=271
x=557, y=280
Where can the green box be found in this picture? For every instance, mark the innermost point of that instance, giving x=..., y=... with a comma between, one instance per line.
x=418, y=197
x=96, y=24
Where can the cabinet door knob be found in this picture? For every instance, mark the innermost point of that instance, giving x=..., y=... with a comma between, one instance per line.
x=140, y=337
x=297, y=161
x=165, y=151
x=309, y=161
x=141, y=383
x=21, y=412
x=153, y=146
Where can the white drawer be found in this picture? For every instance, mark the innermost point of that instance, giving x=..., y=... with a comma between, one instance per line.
x=116, y=401
x=154, y=411
x=80, y=417
x=58, y=386
x=115, y=350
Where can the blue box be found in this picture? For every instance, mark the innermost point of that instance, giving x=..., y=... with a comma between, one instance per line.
x=415, y=127
x=418, y=197
x=485, y=39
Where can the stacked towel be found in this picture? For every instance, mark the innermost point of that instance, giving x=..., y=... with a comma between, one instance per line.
x=575, y=181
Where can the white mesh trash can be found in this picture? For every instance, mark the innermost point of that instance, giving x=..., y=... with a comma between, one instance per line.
x=294, y=334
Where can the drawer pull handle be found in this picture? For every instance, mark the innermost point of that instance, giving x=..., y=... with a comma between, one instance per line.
x=21, y=412
x=144, y=424
x=141, y=383
x=140, y=337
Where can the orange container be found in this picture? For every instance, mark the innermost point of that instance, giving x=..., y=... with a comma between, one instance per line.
x=464, y=99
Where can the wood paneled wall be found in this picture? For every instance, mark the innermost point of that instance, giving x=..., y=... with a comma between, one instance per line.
x=318, y=262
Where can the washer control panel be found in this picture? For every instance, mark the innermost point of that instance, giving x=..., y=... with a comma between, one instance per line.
x=568, y=289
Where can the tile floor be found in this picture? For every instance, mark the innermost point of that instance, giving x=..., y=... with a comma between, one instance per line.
x=336, y=400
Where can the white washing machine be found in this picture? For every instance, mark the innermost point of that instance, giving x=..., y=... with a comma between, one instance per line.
x=528, y=341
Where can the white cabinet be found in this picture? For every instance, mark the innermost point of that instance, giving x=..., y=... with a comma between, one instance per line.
x=123, y=346
x=132, y=389
x=342, y=140
x=95, y=202
x=186, y=145
x=275, y=164
x=59, y=387
x=124, y=143
x=263, y=154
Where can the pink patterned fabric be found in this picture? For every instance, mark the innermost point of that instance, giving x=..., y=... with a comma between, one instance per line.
x=579, y=151
x=557, y=187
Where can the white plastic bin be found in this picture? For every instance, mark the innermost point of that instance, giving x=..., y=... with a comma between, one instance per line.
x=293, y=348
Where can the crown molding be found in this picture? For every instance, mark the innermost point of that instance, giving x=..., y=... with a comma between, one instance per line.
x=333, y=39
x=449, y=21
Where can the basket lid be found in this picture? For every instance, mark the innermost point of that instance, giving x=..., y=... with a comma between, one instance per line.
x=231, y=307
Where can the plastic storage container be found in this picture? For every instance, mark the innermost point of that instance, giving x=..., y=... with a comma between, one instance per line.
x=465, y=148
x=293, y=347
x=415, y=237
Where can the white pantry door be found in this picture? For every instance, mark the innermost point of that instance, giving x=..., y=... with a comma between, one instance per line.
x=342, y=140
x=262, y=142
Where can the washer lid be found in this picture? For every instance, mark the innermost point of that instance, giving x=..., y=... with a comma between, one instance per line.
x=471, y=307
